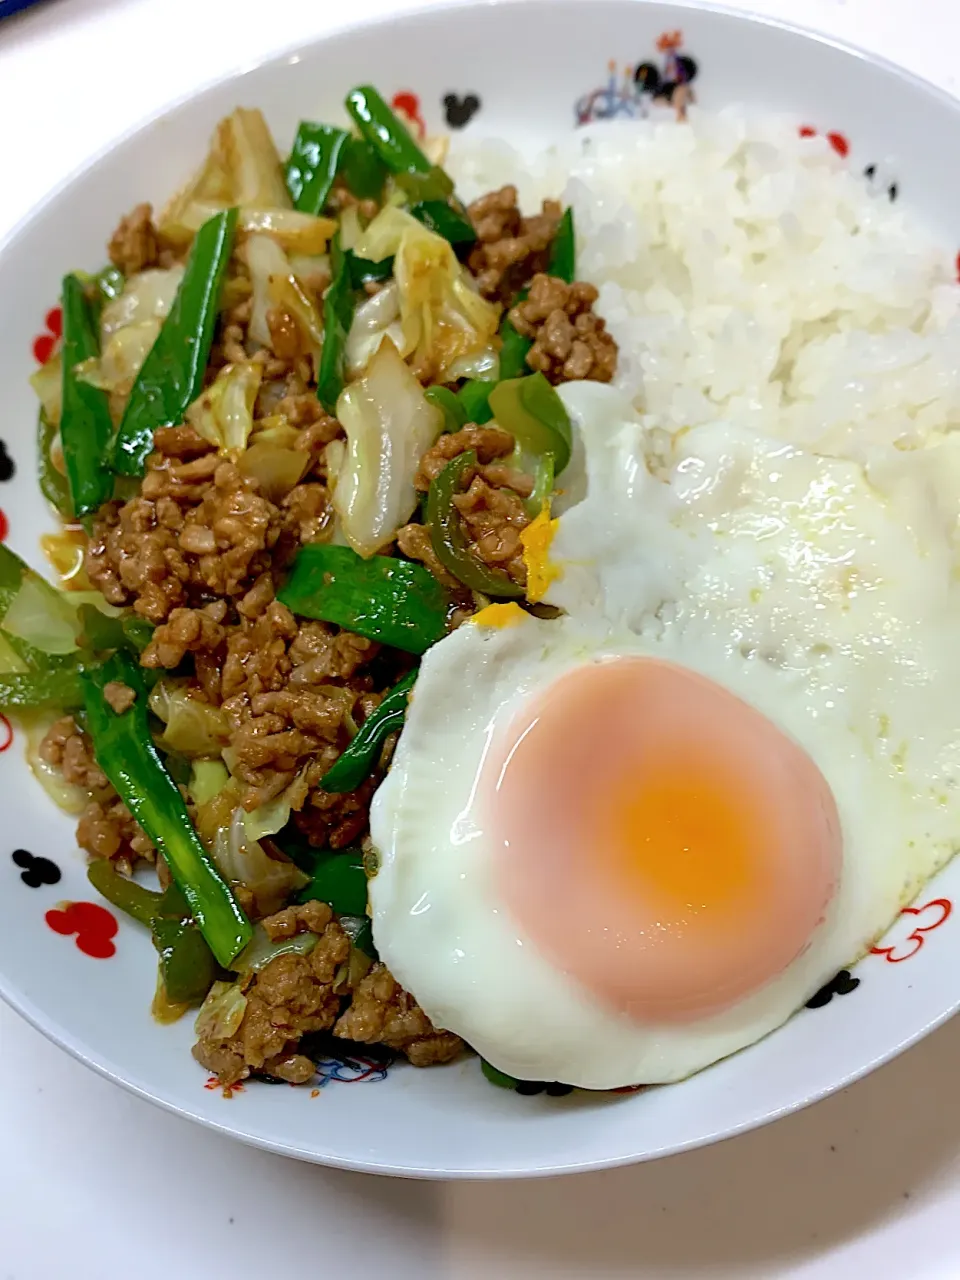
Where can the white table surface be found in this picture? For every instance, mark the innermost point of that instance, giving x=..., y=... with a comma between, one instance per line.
x=97, y=1185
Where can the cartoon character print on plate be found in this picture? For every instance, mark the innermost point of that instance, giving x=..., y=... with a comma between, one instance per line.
x=457, y=111
x=94, y=926
x=632, y=92
x=44, y=344
x=407, y=105
x=841, y=985
x=35, y=871
x=909, y=933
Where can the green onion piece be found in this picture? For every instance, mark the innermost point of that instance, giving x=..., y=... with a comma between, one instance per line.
x=313, y=164
x=474, y=397
x=172, y=374
x=187, y=965
x=339, y=880
x=445, y=220
x=59, y=688
x=102, y=632
x=125, y=751
x=358, y=759
x=513, y=351
x=111, y=282
x=530, y=409
x=396, y=602
x=361, y=169
x=562, y=260
x=449, y=540
x=122, y=892
x=363, y=269
x=497, y=1077
x=85, y=423
x=338, y=308
x=53, y=483
x=542, y=484
x=362, y=939
x=454, y=413
x=385, y=132
x=421, y=187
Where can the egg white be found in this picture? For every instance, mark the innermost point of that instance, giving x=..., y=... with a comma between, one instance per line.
x=820, y=590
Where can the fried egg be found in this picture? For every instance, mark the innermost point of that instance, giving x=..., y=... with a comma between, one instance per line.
x=619, y=845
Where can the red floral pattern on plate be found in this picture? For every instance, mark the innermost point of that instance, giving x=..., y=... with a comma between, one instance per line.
x=407, y=104
x=919, y=921
x=45, y=343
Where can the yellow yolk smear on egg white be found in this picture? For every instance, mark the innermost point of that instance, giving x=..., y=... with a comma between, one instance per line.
x=641, y=794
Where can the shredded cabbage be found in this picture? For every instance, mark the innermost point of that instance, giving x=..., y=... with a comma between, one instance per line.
x=260, y=950
x=389, y=425
x=444, y=319
x=65, y=795
x=222, y=1011
x=42, y=616
x=193, y=728
x=244, y=861
x=223, y=413
x=121, y=357
x=47, y=382
x=146, y=296
x=243, y=168
x=276, y=287
x=373, y=320
x=267, y=819
x=275, y=467
x=207, y=779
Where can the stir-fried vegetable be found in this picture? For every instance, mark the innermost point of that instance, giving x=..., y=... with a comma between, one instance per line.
x=85, y=424
x=47, y=382
x=338, y=308
x=496, y=1076
x=359, y=758
x=383, y=130
x=389, y=426
x=339, y=880
x=223, y=413
x=102, y=633
x=29, y=691
x=33, y=612
x=562, y=260
x=474, y=398
x=450, y=405
x=530, y=409
x=321, y=154
x=375, y=319
x=110, y=283
x=125, y=751
x=446, y=220
x=394, y=601
x=513, y=350
x=172, y=374
x=136, y=900
x=312, y=168
x=243, y=860
x=187, y=965
x=449, y=540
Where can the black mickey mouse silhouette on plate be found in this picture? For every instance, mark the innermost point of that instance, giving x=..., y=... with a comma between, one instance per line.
x=460, y=111
x=7, y=466
x=36, y=871
x=841, y=985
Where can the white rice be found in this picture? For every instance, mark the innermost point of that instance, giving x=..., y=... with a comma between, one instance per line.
x=748, y=276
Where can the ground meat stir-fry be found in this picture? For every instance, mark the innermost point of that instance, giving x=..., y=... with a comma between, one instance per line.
x=510, y=248
x=570, y=341
x=233, y=681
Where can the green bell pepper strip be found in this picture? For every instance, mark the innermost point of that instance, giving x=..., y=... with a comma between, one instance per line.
x=363, y=940
x=449, y=540
x=513, y=350
x=420, y=187
x=53, y=483
x=101, y=632
x=530, y=409
x=474, y=397
x=60, y=688
x=358, y=759
x=125, y=751
x=86, y=427
x=187, y=965
x=338, y=308
x=312, y=168
x=361, y=169
x=123, y=893
x=396, y=602
x=385, y=132
x=363, y=269
x=339, y=880
x=496, y=1076
x=172, y=374
x=451, y=406
x=563, y=250
x=446, y=220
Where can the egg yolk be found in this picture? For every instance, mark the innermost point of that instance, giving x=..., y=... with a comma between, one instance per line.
x=658, y=839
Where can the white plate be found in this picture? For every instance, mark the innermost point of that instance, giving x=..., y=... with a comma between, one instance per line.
x=529, y=66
